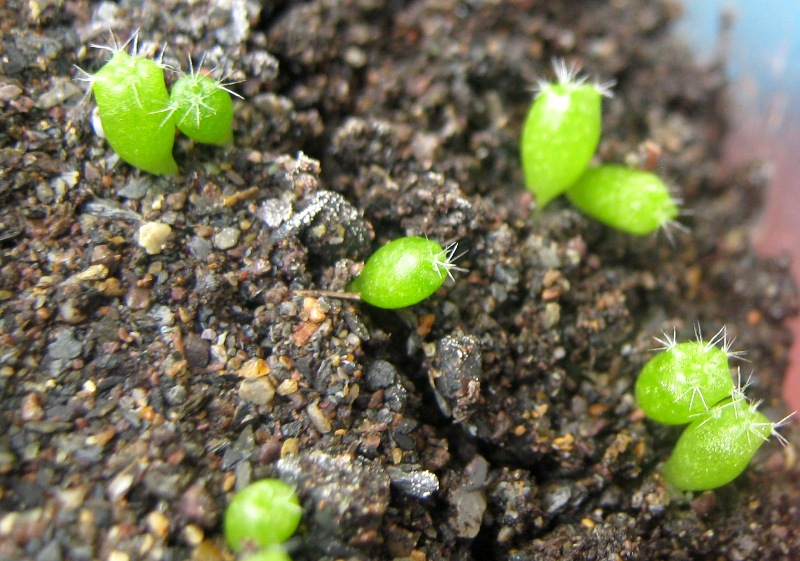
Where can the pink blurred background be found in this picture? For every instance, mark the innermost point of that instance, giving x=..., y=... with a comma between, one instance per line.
x=779, y=229
x=761, y=45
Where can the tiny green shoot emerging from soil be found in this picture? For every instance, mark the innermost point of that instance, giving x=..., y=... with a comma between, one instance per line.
x=631, y=200
x=404, y=272
x=202, y=107
x=265, y=513
x=561, y=132
x=130, y=92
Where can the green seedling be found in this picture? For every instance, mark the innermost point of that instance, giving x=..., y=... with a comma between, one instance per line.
x=561, y=132
x=263, y=514
x=404, y=272
x=130, y=93
x=627, y=199
x=685, y=379
x=202, y=107
x=718, y=445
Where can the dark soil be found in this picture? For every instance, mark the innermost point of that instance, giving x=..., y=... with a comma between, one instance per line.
x=493, y=421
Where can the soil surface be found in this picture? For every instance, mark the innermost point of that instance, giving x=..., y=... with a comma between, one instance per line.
x=494, y=420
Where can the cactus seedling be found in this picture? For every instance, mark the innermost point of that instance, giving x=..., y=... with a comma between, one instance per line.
x=717, y=447
x=690, y=383
x=685, y=379
x=139, y=117
x=202, y=107
x=130, y=92
x=561, y=132
x=404, y=272
x=630, y=200
x=265, y=513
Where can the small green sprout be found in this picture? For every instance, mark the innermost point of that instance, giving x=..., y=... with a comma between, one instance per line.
x=404, y=272
x=130, y=92
x=719, y=444
x=685, y=379
x=265, y=513
x=561, y=132
x=627, y=199
x=203, y=107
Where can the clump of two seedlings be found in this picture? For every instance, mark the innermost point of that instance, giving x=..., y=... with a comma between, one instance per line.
x=139, y=116
x=690, y=382
x=559, y=138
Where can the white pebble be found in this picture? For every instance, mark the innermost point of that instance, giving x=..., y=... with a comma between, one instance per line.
x=153, y=236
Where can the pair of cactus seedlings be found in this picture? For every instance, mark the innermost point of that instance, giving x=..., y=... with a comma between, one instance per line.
x=559, y=138
x=690, y=383
x=139, y=116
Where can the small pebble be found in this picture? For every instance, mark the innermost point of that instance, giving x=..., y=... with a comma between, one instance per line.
x=321, y=422
x=65, y=346
x=290, y=447
x=152, y=236
x=199, y=247
x=119, y=486
x=193, y=534
x=258, y=391
x=9, y=92
x=287, y=387
x=226, y=238
x=274, y=212
x=31, y=408
x=417, y=483
x=61, y=90
x=135, y=190
x=158, y=524
x=196, y=350
x=468, y=507
x=254, y=368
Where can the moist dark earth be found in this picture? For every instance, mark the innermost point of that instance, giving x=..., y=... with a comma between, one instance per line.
x=494, y=420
